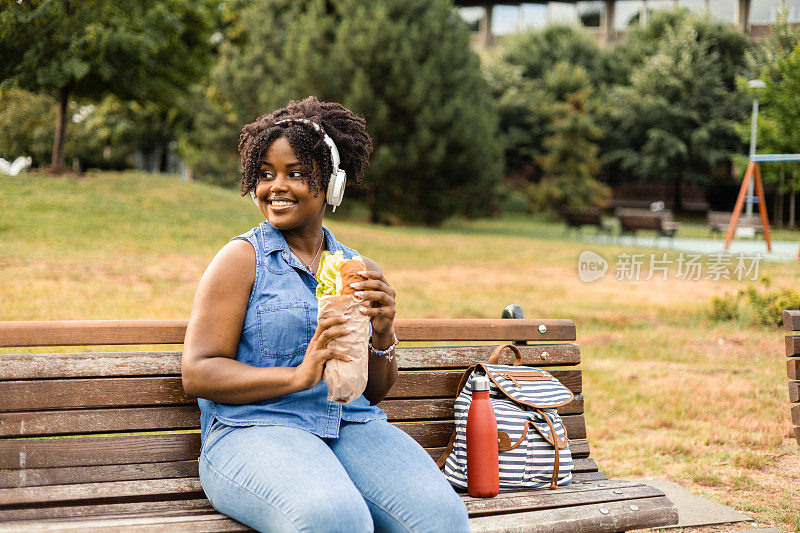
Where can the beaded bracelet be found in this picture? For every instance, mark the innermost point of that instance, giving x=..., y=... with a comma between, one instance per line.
x=387, y=353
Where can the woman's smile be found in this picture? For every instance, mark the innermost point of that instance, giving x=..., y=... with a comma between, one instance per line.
x=281, y=205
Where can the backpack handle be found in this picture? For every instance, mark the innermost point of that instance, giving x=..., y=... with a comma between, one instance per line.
x=495, y=357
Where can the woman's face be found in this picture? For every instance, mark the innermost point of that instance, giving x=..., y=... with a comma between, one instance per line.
x=283, y=193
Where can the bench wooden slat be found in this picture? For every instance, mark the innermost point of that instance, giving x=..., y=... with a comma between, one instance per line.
x=794, y=391
x=537, y=355
x=91, y=332
x=33, y=477
x=39, y=516
x=793, y=369
x=569, y=495
x=85, y=421
x=90, y=364
x=203, y=521
x=619, y=516
x=87, y=451
x=119, y=332
x=183, y=488
x=132, y=419
x=31, y=395
x=169, y=488
x=107, y=364
x=791, y=320
x=792, y=345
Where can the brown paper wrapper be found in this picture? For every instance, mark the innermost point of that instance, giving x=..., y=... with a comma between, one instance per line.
x=346, y=380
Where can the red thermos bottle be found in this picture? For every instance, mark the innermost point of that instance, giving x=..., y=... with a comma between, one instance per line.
x=483, y=473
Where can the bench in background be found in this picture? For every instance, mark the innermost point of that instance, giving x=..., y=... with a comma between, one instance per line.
x=632, y=220
x=123, y=438
x=718, y=222
x=577, y=218
x=791, y=324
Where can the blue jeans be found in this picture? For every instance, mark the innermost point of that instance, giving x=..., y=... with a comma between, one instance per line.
x=373, y=477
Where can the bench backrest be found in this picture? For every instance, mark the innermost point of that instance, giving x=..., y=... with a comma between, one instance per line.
x=111, y=416
x=791, y=325
x=644, y=218
x=721, y=219
x=718, y=218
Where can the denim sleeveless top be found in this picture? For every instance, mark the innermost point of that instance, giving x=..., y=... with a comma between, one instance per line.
x=280, y=320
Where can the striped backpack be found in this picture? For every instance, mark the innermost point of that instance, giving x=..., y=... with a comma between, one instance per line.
x=533, y=448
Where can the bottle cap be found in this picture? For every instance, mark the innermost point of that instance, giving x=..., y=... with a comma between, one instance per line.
x=480, y=383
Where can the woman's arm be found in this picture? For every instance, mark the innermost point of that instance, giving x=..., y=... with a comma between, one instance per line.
x=209, y=368
x=382, y=372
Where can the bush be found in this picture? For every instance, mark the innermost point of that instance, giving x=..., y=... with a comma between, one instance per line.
x=750, y=306
x=512, y=201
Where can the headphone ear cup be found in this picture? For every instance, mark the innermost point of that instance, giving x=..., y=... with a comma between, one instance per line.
x=336, y=189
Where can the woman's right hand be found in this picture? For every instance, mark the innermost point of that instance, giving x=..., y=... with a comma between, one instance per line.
x=308, y=373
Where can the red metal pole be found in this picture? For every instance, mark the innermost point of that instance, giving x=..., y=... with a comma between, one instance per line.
x=762, y=207
x=737, y=210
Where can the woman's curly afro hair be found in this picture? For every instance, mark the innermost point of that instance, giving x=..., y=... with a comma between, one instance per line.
x=347, y=129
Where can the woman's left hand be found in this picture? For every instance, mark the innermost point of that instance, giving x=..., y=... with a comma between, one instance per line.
x=376, y=289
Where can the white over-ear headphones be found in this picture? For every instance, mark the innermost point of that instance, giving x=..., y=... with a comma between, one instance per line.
x=338, y=178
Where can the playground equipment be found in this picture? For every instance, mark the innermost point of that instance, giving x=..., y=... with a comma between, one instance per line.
x=753, y=177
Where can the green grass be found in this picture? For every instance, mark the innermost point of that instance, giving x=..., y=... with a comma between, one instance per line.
x=669, y=393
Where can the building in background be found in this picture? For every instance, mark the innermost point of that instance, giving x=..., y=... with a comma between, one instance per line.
x=609, y=19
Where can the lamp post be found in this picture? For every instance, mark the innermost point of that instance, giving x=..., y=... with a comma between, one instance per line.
x=755, y=85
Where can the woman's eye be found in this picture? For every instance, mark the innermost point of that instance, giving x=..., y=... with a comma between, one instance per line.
x=297, y=175
x=267, y=175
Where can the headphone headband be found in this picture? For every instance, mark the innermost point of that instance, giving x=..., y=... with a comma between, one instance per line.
x=338, y=177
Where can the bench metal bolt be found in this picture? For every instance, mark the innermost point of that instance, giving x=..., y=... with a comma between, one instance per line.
x=544, y=356
x=604, y=510
x=634, y=507
x=542, y=328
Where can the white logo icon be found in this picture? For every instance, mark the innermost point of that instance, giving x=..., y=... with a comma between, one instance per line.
x=591, y=266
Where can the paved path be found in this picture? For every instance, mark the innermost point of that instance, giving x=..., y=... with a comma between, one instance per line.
x=781, y=250
x=694, y=510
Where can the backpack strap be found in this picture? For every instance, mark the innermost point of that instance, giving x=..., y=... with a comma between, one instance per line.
x=495, y=357
x=464, y=377
x=446, y=453
x=555, y=443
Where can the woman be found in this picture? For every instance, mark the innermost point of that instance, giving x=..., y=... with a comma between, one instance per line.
x=276, y=454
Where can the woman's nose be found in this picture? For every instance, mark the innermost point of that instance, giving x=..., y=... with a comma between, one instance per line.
x=280, y=182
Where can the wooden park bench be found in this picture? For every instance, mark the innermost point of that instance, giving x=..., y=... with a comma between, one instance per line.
x=632, y=220
x=577, y=218
x=718, y=222
x=791, y=324
x=109, y=440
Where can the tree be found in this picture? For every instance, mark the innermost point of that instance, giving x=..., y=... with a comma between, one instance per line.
x=779, y=117
x=677, y=117
x=404, y=64
x=246, y=81
x=571, y=163
x=775, y=60
x=136, y=50
x=529, y=74
x=723, y=39
x=37, y=112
